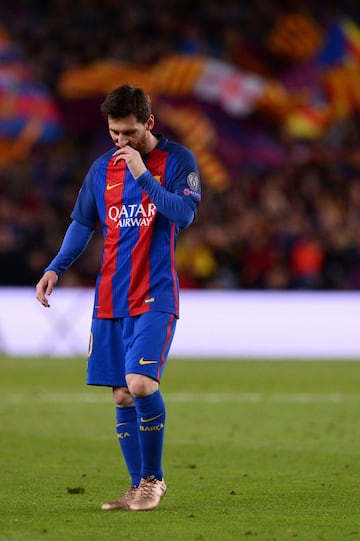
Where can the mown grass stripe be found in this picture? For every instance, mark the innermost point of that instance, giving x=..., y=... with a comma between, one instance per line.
x=195, y=398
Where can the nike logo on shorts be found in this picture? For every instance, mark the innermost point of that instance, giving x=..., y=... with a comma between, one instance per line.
x=143, y=362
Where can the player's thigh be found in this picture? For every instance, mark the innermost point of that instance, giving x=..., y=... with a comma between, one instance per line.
x=148, y=348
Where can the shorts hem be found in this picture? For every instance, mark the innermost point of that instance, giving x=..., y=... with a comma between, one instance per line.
x=104, y=384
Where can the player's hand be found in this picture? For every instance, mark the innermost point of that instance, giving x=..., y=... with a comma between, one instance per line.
x=132, y=158
x=45, y=287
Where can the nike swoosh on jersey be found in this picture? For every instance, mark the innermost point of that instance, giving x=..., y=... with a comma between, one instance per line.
x=112, y=186
x=151, y=418
x=143, y=362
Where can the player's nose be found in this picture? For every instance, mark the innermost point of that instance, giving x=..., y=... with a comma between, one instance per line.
x=121, y=140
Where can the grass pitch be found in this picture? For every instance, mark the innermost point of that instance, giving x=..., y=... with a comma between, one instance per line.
x=265, y=450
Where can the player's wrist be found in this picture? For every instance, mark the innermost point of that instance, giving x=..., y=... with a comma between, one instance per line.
x=138, y=171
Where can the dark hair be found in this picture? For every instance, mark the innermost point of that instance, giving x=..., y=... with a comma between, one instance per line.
x=127, y=100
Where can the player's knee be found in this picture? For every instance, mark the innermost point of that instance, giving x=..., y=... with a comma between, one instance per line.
x=139, y=385
x=122, y=397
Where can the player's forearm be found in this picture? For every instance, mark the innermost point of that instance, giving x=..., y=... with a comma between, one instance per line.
x=75, y=241
x=171, y=205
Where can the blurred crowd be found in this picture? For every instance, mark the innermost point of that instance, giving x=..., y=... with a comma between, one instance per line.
x=291, y=226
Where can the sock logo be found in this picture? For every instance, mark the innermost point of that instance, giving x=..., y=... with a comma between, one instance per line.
x=123, y=435
x=154, y=428
x=151, y=418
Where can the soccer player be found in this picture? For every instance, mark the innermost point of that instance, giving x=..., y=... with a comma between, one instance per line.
x=141, y=192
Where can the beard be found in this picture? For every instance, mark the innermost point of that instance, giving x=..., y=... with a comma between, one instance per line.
x=140, y=144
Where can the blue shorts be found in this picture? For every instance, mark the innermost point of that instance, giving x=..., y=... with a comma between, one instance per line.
x=129, y=345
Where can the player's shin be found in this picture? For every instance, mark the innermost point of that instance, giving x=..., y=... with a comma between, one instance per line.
x=151, y=423
x=127, y=433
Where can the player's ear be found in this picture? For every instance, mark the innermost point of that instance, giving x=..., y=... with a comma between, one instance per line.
x=150, y=122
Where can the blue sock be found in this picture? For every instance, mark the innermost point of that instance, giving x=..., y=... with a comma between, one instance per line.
x=151, y=422
x=127, y=432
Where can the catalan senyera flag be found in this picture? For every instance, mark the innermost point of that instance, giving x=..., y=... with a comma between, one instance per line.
x=352, y=39
x=319, y=83
x=198, y=133
x=296, y=36
x=340, y=64
x=208, y=79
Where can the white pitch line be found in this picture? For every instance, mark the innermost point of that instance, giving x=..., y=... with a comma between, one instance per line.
x=191, y=398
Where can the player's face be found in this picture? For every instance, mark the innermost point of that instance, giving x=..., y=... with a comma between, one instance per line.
x=128, y=131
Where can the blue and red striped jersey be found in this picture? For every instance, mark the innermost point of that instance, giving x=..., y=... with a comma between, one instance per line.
x=138, y=272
